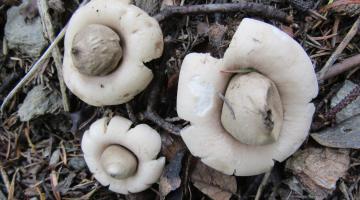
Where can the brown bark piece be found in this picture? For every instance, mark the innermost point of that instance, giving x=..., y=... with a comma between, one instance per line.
x=319, y=169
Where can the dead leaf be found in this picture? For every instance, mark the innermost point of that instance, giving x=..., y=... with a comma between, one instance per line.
x=217, y=34
x=54, y=159
x=202, y=28
x=216, y=185
x=319, y=169
x=170, y=146
x=170, y=179
x=343, y=135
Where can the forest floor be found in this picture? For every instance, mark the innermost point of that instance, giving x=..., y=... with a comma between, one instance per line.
x=42, y=125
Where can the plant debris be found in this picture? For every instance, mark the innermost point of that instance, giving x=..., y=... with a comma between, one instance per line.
x=170, y=179
x=40, y=155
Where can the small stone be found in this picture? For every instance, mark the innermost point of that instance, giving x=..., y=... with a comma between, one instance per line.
x=77, y=163
x=39, y=101
x=24, y=36
x=350, y=110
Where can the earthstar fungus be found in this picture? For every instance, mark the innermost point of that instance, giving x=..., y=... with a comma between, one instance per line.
x=121, y=157
x=267, y=113
x=106, y=45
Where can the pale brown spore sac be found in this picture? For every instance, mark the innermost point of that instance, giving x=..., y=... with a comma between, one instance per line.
x=96, y=50
x=257, y=107
x=118, y=162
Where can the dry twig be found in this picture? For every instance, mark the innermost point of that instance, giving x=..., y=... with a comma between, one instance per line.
x=316, y=14
x=352, y=32
x=335, y=30
x=54, y=183
x=343, y=66
x=12, y=186
x=248, y=7
x=263, y=184
x=56, y=54
x=155, y=118
x=228, y=104
x=5, y=178
x=151, y=114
